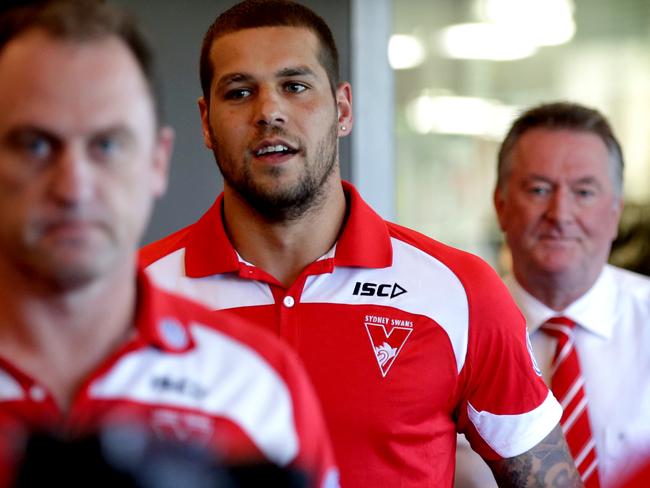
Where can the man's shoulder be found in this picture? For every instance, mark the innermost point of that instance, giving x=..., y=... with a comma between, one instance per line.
x=468, y=267
x=156, y=250
x=629, y=281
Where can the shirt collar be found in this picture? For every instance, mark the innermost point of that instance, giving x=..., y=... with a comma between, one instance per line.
x=594, y=311
x=363, y=242
x=159, y=321
x=208, y=250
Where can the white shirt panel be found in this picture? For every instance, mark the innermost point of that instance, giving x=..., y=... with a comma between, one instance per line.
x=213, y=387
x=10, y=389
x=415, y=273
x=613, y=344
x=217, y=292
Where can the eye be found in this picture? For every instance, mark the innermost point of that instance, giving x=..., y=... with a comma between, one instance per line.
x=35, y=146
x=237, y=94
x=585, y=192
x=539, y=190
x=105, y=146
x=294, y=87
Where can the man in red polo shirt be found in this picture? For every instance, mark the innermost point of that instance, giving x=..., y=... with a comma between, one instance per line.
x=406, y=340
x=86, y=342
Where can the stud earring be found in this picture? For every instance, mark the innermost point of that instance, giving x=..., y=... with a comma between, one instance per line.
x=343, y=128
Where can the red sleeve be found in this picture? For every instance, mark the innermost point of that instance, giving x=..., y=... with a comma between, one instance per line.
x=504, y=406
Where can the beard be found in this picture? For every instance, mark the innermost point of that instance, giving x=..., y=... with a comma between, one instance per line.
x=281, y=203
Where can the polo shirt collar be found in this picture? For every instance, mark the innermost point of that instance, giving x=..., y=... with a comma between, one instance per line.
x=208, y=250
x=595, y=311
x=363, y=242
x=159, y=322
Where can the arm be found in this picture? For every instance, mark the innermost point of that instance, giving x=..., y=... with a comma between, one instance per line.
x=471, y=470
x=547, y=464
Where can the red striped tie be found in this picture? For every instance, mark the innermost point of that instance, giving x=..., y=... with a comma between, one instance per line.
x=568, y=387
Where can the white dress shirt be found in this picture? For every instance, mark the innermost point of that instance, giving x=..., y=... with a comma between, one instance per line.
x=613, y=343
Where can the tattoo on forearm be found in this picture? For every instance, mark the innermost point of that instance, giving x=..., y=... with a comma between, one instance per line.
x=548, y=464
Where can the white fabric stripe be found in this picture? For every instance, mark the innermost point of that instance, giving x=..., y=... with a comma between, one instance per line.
x=574, y=415
x=566, y=350
x=227, y=379
x=589, y=471
x=570, y=395
x=511, y=435
x=446, y=301
x=564, y=353
x=446, y=304
x=591, y=444
x=10, y=389
x=217, y=292
x=564, y=329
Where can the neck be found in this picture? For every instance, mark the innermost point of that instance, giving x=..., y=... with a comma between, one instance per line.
x=284, y=249
x=556, y=291
x=61, y=337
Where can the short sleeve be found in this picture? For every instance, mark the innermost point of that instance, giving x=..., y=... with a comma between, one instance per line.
x=504, y=407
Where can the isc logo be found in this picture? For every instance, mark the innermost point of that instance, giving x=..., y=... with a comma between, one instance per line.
x=376, y=289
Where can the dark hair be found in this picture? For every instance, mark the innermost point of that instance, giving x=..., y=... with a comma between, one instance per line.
x=559, y=116
x=269, y=13
x=80, y=20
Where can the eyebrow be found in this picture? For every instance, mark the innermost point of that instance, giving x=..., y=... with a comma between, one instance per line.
x=16, y=134
x=295, y=71
x=283, y=73
x=584, y=180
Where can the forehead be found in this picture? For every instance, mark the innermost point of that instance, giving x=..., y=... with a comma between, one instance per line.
x=265, y=49
x=70, y=84
x=561, y=152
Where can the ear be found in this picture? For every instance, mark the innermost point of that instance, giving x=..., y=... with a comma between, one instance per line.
x=162, y=157
x=617, y=211
x=499, y=201
x=205, y=122
x=344, y=108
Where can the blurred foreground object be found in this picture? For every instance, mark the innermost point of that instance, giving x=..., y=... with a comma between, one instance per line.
x=130, y=458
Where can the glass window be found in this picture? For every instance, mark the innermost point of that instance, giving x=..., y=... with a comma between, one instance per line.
x=464, y=68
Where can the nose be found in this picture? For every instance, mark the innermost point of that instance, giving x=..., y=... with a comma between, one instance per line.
x=560, y=206
x=270, y=108
x=71, y=181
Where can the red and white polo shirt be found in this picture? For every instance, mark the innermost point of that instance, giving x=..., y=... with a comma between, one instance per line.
x=188, y=375
x=406, y=341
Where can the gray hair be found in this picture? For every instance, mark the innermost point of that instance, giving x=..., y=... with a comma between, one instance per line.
x=559, y=116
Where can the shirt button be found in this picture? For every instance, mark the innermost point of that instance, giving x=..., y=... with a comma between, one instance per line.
x=288, y=301
x=37, y=393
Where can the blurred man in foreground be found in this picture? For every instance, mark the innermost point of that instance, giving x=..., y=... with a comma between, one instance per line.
x=85, y=341
x=406, y=340
x=558, y=199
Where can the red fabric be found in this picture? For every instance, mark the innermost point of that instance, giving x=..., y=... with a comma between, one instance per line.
x=21, y=411
x=567, y=385
x=456, y=337
x=640, y=479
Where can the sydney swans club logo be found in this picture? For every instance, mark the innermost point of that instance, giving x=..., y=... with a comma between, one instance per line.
x=387, y=343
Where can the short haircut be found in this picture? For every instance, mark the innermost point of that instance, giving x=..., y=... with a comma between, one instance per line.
x=269, y=13
x=562, y=116
x=80, y=21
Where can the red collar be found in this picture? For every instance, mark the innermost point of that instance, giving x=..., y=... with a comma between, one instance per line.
x=161, y=319
x=364, y=241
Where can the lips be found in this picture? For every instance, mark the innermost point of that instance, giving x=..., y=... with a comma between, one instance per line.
x=274, y=148
x=553, y=240
x=72, y=227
